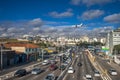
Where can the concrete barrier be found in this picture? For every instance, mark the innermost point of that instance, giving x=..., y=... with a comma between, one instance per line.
x=63, y=73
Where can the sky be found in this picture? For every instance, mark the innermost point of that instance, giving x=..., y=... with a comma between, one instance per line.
x=57, y=16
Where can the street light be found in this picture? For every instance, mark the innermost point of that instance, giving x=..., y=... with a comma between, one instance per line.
x=1, y=57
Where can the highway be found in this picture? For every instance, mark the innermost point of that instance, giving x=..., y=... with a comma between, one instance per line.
x=104, y=64
x=80, y=72
x=41, y=76
x=4, y=71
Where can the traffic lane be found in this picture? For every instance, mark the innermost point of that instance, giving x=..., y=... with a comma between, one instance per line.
x=92, y=70
x=20, y=66
x=86, y=64
x=5, y=71
x=41, y=76
x=106, y=66
x=79, y=69
x=29, y=75
x=71, y=76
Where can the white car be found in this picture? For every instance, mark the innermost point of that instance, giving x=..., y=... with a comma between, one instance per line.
x=50, y=77
x=96, y=73
x=113, y=72
x=71, y=70
x=88, y=77
x=36, y=71
x=45, y=62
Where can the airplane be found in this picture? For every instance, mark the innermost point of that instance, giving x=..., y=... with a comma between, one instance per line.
x=78, y=26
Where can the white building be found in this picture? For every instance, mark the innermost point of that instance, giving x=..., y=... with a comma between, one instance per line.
x=113, y=38
x=67, y=41
x=84, y=39
x=103, y=40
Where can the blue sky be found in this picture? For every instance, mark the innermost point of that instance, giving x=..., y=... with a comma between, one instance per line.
x=56, y=13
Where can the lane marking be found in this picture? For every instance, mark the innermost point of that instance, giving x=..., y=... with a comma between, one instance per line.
x=65, y=77
x=73, y=76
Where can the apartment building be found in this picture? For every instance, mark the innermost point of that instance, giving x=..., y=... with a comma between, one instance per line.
x=113, y=38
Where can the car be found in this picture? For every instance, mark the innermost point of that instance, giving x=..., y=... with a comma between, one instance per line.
x=79, y=64
x=96, y=73
x=52, y=67
x=68, y=61
x=76, y=56
x=53, y=62
x=88, y=77
x=36, y=71
x=71, y=70
x=50, y=77
x=45, y=62
x=20, y=72
x=62, y=67
x=65, y=63
x=113, y=72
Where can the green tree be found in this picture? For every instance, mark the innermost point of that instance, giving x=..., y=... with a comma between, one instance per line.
x=116, y=49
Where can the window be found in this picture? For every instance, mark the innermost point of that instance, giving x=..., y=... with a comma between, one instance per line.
x=26, y=49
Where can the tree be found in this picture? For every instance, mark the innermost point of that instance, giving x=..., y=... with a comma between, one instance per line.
x=116, y=49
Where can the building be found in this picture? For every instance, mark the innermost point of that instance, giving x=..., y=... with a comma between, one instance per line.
x=113, y=38
x=84, y=39
x=67, y=41
x=103, y=40
x=31, y=50
x=7, y=57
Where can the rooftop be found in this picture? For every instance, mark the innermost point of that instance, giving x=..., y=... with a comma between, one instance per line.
x=26, y=45
x=117, y=30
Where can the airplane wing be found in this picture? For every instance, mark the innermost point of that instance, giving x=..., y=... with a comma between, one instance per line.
x=77, y=26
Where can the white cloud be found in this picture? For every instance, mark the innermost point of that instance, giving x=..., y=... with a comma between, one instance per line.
x=90, y=2
x=53, y=23
x=114, y=18
x=36, y=28
x=92, y=14
x=11, y=29
x=65, y=14
x=4, y=35
x=75, y=2
x=93, y=2
x=2, y=28
x=36, y=22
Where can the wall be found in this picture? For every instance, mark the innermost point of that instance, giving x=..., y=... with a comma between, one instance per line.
x=19, y=49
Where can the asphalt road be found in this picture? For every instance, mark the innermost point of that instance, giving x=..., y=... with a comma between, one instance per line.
x=40, y=76
x=5, y=71
x=80, y=72
x=106, y=66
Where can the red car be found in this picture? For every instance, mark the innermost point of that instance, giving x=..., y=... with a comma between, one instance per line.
x=53, y=67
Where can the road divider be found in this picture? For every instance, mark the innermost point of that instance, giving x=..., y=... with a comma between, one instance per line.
x=65, y=71
x=97, y=66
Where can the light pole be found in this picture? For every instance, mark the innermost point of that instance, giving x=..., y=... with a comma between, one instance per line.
x=1, y=57
x=42, y=54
